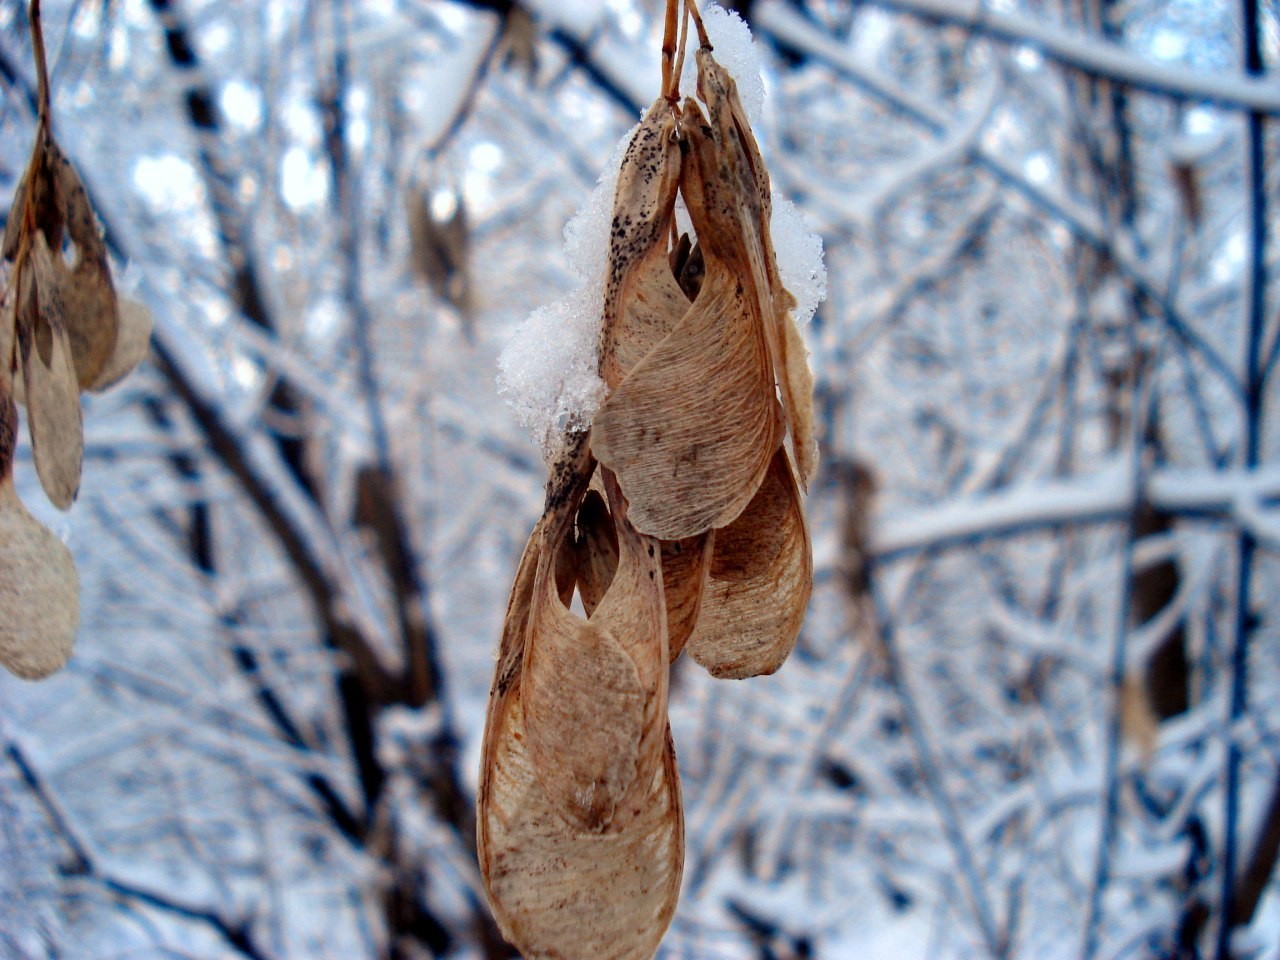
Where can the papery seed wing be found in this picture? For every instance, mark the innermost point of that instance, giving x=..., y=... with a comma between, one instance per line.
x=515, y=626
x=759, y=584
x=584, y=711
x=685, y=564
x=133, y=340
x=690, y=430
x=684, y=569
x=733, y=130
x=726, y=186
x=632, y=608
x=584, y=704
x=651, y=305
x=39, y=590
x=53, y=399
x=557, y=890
x=633, y=612
x=642, y=301
x=90, y=312
x=36, y=201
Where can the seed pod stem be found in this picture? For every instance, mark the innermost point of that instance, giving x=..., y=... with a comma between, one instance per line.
x=42, y=69
x=703, y=40
x=670, y=76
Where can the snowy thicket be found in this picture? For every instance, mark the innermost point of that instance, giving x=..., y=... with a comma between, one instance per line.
x=1034, y=711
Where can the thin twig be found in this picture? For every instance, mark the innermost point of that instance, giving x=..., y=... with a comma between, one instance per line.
x=1109, y=827
x=1253, y=378
x=237, y=934
x=930, y=766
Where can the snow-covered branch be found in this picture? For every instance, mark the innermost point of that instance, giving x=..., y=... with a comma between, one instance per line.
x=1067, y=47
x=1108, y=494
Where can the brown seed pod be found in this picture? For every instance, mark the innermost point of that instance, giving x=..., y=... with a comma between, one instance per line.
x=39, y=589
x=595, y=689
x=677, y=521
x=691, y=427
x=91, y=313
x=558, y=888
x=49, y=379
x=761, y=574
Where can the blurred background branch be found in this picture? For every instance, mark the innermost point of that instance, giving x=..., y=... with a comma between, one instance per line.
x=1033, y=711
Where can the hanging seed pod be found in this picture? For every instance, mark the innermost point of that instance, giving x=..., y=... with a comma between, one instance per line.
x=560, y=891
x=677, y=521
x=642, y=301
x=51, y=202
x=66, y=322
x=91, y=313
x=61, y=331
x=595, y=690
x=597, y=874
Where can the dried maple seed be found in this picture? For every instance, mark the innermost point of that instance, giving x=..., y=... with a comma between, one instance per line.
x=48, y=376
x=559, y=887
x=61, y=332
x=758, y=586
x=677, y=521
x=557, y=890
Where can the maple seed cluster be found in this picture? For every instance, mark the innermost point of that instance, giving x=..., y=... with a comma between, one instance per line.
x=62, y=331
x=678, y=522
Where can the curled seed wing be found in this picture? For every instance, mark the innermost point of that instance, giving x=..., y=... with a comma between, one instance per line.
x=689, y=432
x=759, y=583
x=52, y=395
x=583, y=701
x=795, y=381
x=515, y=626
x=583, y=711
x=684, y=569
x=633, y=611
